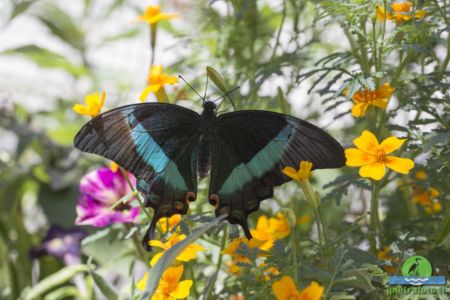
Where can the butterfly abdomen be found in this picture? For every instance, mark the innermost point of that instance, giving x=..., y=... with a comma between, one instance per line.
x=204, y=157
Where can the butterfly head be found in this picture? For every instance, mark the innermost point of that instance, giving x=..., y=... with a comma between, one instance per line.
x=209, y=105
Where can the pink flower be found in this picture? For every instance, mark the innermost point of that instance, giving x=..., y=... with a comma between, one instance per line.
x=100, y=190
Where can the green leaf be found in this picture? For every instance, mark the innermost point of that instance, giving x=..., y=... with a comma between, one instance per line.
x=53, y=201
x=10, y=190
x=170, y=255
x=359, y=278
x=284, y=104
x=48, y=59
x=107, y=290
x=217, y=79
x=359, y=257
x=220, y=82
x=92, y=238
x=61, y=25
x=65, y=292
x=21, y=7
x=438, y=138
x=64, y=134
x=120, y=36
x=53, y=281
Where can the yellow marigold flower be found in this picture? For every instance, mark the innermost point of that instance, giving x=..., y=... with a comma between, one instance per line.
x=303, y=172
x=435, y=208
x=271, y=229
x=170, y=287
x=285, y=289
x=153, y=15
x=373, y=158
x=383, y=254
x=421, y=175
x=236, y=297
x=94, y=104
x=233, y=267
x=237, y=243
x=279, y=226
x=401, y=12
x=427, y=199
x=167, y=224
x=263, y=233
x=189, y=253
x=269, y=272
x=156, y=80
x=365, y=98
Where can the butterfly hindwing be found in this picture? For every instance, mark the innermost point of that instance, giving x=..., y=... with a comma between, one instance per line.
x=251, y=149
x=155, y=142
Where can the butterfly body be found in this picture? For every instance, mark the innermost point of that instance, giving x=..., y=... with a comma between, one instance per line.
x=167, y=147
x=208, y=120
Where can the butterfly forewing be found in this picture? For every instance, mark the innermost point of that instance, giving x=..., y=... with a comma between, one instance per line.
x=155, y=142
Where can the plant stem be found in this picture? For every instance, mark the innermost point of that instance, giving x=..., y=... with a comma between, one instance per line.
x=311, y=197
x=153, y=30
x=445, y=230
x=294, y=252
x=399, y=70
x=375, y=225
x=140, y=200
x=219, y=261
x=137, y=243
x=194, y=287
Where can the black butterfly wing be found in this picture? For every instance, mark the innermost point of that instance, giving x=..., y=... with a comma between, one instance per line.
x=155, y=142
x=250, y=150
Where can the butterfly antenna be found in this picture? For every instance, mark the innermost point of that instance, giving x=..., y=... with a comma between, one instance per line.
x=229, y=92
x=181, y=77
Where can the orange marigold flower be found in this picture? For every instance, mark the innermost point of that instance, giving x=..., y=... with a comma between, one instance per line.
x=303, y=173
x=233, y=267
x=153, y=15
x=269, y=272
x=427, y=199
x=233, y=250
x=401, y=12
x=94, y=104
x=421, y=175
x=373, y=158
x=167, y=224
x=365, y=98
x=236, y=297
x=285, y=289
x=383, y=254
x=190, y=252
x=170, y=287
x=156, y=80
x=271, y=229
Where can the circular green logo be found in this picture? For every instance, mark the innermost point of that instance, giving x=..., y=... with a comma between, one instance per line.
x=417, y=266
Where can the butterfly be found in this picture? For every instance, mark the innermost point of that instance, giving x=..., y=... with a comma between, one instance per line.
x=168, y=147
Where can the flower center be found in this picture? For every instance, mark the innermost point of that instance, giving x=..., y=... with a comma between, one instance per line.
x=152, y=11
x=381, y=156
x=369, y=96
